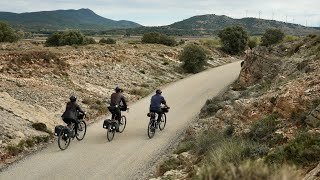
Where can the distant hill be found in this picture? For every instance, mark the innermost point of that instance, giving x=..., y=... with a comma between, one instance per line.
x=210, y=24
x=82, y=19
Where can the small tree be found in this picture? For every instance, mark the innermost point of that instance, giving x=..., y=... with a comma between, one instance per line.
x=7, y=34
x=157, y=38
x=193, y=57
x=272, y=36
x=253, y=42
x=107, y=41
x=234, y=39
x=66, y=38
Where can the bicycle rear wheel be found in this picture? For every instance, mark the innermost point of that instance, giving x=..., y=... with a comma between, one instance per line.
x=163, y=122
x=151, y=128
x=123, y=123
x=110, y=132
x=63, y=140
x=82, y=129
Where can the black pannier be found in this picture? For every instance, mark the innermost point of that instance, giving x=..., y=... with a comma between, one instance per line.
x=58, y=129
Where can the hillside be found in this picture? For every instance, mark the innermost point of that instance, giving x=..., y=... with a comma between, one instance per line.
x=268, y=120
x=210, y=24
x=83, y=19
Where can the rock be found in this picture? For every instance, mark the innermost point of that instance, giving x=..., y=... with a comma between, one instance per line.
x=313, y=174
x=313, y=118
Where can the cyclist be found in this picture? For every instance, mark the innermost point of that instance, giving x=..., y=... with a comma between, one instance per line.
x=71, y=114
x=117, y=101
x=155, y=105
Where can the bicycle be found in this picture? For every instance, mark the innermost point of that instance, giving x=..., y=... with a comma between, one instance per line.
x=153, y=123
x=65, y=135
x=111, y=124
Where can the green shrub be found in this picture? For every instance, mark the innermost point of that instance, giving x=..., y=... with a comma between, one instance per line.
x=210, y=108
x=7, y=34
x=184, y=146
x=290, y=38
x=303, y=150
x=107, y=41
x=140, y=92
x=253, y=42
x=193, y=58
x=66, y=38
x=30, y=142
x=210, y=43
x=262, y=130
x=14, y=149
x=272, y=36
x=157, y=38
x=248, y=170
x=234, y=39
x=90, y=41
x=169, y=164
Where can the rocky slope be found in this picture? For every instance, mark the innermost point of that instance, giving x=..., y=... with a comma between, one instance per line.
x=268, y=118
x=36, y=82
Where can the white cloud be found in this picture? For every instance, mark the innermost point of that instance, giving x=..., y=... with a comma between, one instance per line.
x=161, y=12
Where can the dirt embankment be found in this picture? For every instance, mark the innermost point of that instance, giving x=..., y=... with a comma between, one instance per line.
x=275, y=104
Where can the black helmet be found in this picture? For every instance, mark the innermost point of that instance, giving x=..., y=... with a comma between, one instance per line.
x=73, y=99
x=158, y=91
x=117, y=89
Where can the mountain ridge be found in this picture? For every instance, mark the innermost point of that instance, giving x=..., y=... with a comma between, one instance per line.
x=82, y=19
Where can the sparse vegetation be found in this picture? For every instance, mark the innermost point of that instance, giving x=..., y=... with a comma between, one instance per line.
x=157, y=38
x=42, y=127
x=234, y=39
x=210, y=108
x=193, y=58
x=7, y=34
x=139, y=92
x=272, y=36
x=210, y=43
x=303, y=150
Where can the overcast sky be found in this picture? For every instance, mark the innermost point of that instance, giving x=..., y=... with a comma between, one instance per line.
x=164, y=12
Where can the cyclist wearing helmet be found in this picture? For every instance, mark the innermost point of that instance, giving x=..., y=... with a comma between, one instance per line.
x=156, y=101
x=71, y=113
x=117, y=101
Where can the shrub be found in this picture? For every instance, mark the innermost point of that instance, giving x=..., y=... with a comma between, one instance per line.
x=14, y=149
x=210, y=108
x=262, y=130
x=140, y=92
x=184, y=146
x=193, y=58
x=291, y=38
x=234, y=39
x=107, y=41
x=253, y=42
x=169, y=164
x=211, y=43
x=66, y=38
x=157, y=38
x=7, y=34
x=272, y=36
x=90, y=41
x=303, y=150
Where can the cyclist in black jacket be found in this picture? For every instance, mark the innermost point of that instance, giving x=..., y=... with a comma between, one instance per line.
x=71, y=114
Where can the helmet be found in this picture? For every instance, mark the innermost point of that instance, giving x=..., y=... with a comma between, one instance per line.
x=117, y=89
x=158, y=91
x=73, y=98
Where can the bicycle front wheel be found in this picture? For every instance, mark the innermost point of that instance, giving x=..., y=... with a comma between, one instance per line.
x=163, y=122
x=151, y=128
x=110, y=132
x=123, y=123
x=63, y=140
x=82, y=129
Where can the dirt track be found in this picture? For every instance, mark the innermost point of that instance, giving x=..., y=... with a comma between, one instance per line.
x=131, y=154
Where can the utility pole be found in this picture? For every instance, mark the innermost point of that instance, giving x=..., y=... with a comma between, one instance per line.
x=259, y=14
x=246, y=13
x=286, y=19
x=293, y=20
x=272, y=15
x=306, y=23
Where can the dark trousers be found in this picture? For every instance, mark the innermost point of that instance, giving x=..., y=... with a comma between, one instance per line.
x=69, y=121
x=159, y=112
